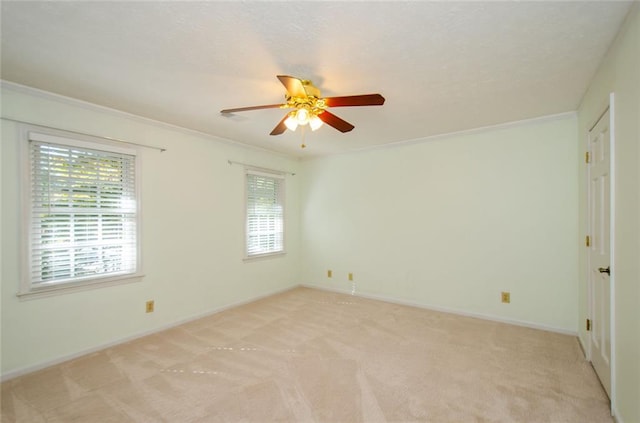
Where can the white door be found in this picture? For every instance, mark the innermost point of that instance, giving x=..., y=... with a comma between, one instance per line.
x=599, y=251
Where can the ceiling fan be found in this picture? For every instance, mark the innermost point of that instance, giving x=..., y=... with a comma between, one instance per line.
x=309, y=108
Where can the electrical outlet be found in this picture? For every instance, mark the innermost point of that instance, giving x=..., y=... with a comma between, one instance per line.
x=149, y=306
x=350, y=276
x=506, y=297
x=329, y=274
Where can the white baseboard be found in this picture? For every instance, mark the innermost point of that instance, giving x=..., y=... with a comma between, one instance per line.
x=583, y=347
x=493, y=318
x=29, y=369
x=615, y=414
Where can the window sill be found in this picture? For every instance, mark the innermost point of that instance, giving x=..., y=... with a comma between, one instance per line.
x=67, y=288
x=257, y=257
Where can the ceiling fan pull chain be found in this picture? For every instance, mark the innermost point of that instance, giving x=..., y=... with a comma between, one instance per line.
x=303, y=135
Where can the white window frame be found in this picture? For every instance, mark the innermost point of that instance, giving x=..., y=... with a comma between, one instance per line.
x=281, y=197
x=28, y=289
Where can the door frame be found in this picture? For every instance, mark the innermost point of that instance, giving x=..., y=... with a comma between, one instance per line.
x=612, y=278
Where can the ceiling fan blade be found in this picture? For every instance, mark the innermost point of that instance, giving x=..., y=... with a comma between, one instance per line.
x=333, y=120
x=355, y=100
x=244, y=109
x=280, y=127
x=294, y=86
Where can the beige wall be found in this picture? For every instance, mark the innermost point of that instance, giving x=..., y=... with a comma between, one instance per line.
x=619, y=74
x=450, y=223
x=193, y=237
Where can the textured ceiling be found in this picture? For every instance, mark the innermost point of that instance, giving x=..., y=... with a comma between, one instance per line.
x=442, y=66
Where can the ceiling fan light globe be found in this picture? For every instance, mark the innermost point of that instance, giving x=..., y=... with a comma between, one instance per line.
x=302, y=115
x=315, y=123
x=291, y=123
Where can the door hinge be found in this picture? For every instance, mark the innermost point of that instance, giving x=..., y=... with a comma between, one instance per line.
x=587, y=157
x=587, y=241
x=588, y=325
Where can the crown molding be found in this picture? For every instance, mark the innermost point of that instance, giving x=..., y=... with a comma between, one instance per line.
x=473, y=131
x=47, y=95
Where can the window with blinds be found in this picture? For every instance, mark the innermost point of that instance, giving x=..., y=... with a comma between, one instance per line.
x=265, y=214
x=83, y=214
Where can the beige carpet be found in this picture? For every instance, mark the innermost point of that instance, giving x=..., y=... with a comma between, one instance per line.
x=314, y=356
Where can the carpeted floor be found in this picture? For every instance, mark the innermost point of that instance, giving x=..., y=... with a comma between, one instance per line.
x=313, y=356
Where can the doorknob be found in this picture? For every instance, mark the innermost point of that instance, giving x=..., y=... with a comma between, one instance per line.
x=606, y=270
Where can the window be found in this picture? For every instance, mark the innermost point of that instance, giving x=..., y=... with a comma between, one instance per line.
x=265, y=214
x=82, y=213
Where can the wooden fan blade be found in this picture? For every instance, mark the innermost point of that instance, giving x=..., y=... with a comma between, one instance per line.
x=333, y=120
x=355, y=100
x=293, y=85
x=280, y=127
x=244, y=109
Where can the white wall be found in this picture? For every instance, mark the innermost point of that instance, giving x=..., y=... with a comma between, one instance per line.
x=620, y=74
x=193, y=229
x=451, y=222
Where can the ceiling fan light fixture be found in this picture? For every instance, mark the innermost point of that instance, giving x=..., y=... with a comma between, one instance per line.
x=315, y=123
x=302, y=115
x=291, y=122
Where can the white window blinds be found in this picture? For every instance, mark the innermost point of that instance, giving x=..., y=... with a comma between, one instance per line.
x=83, y=214
x=265, y=214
